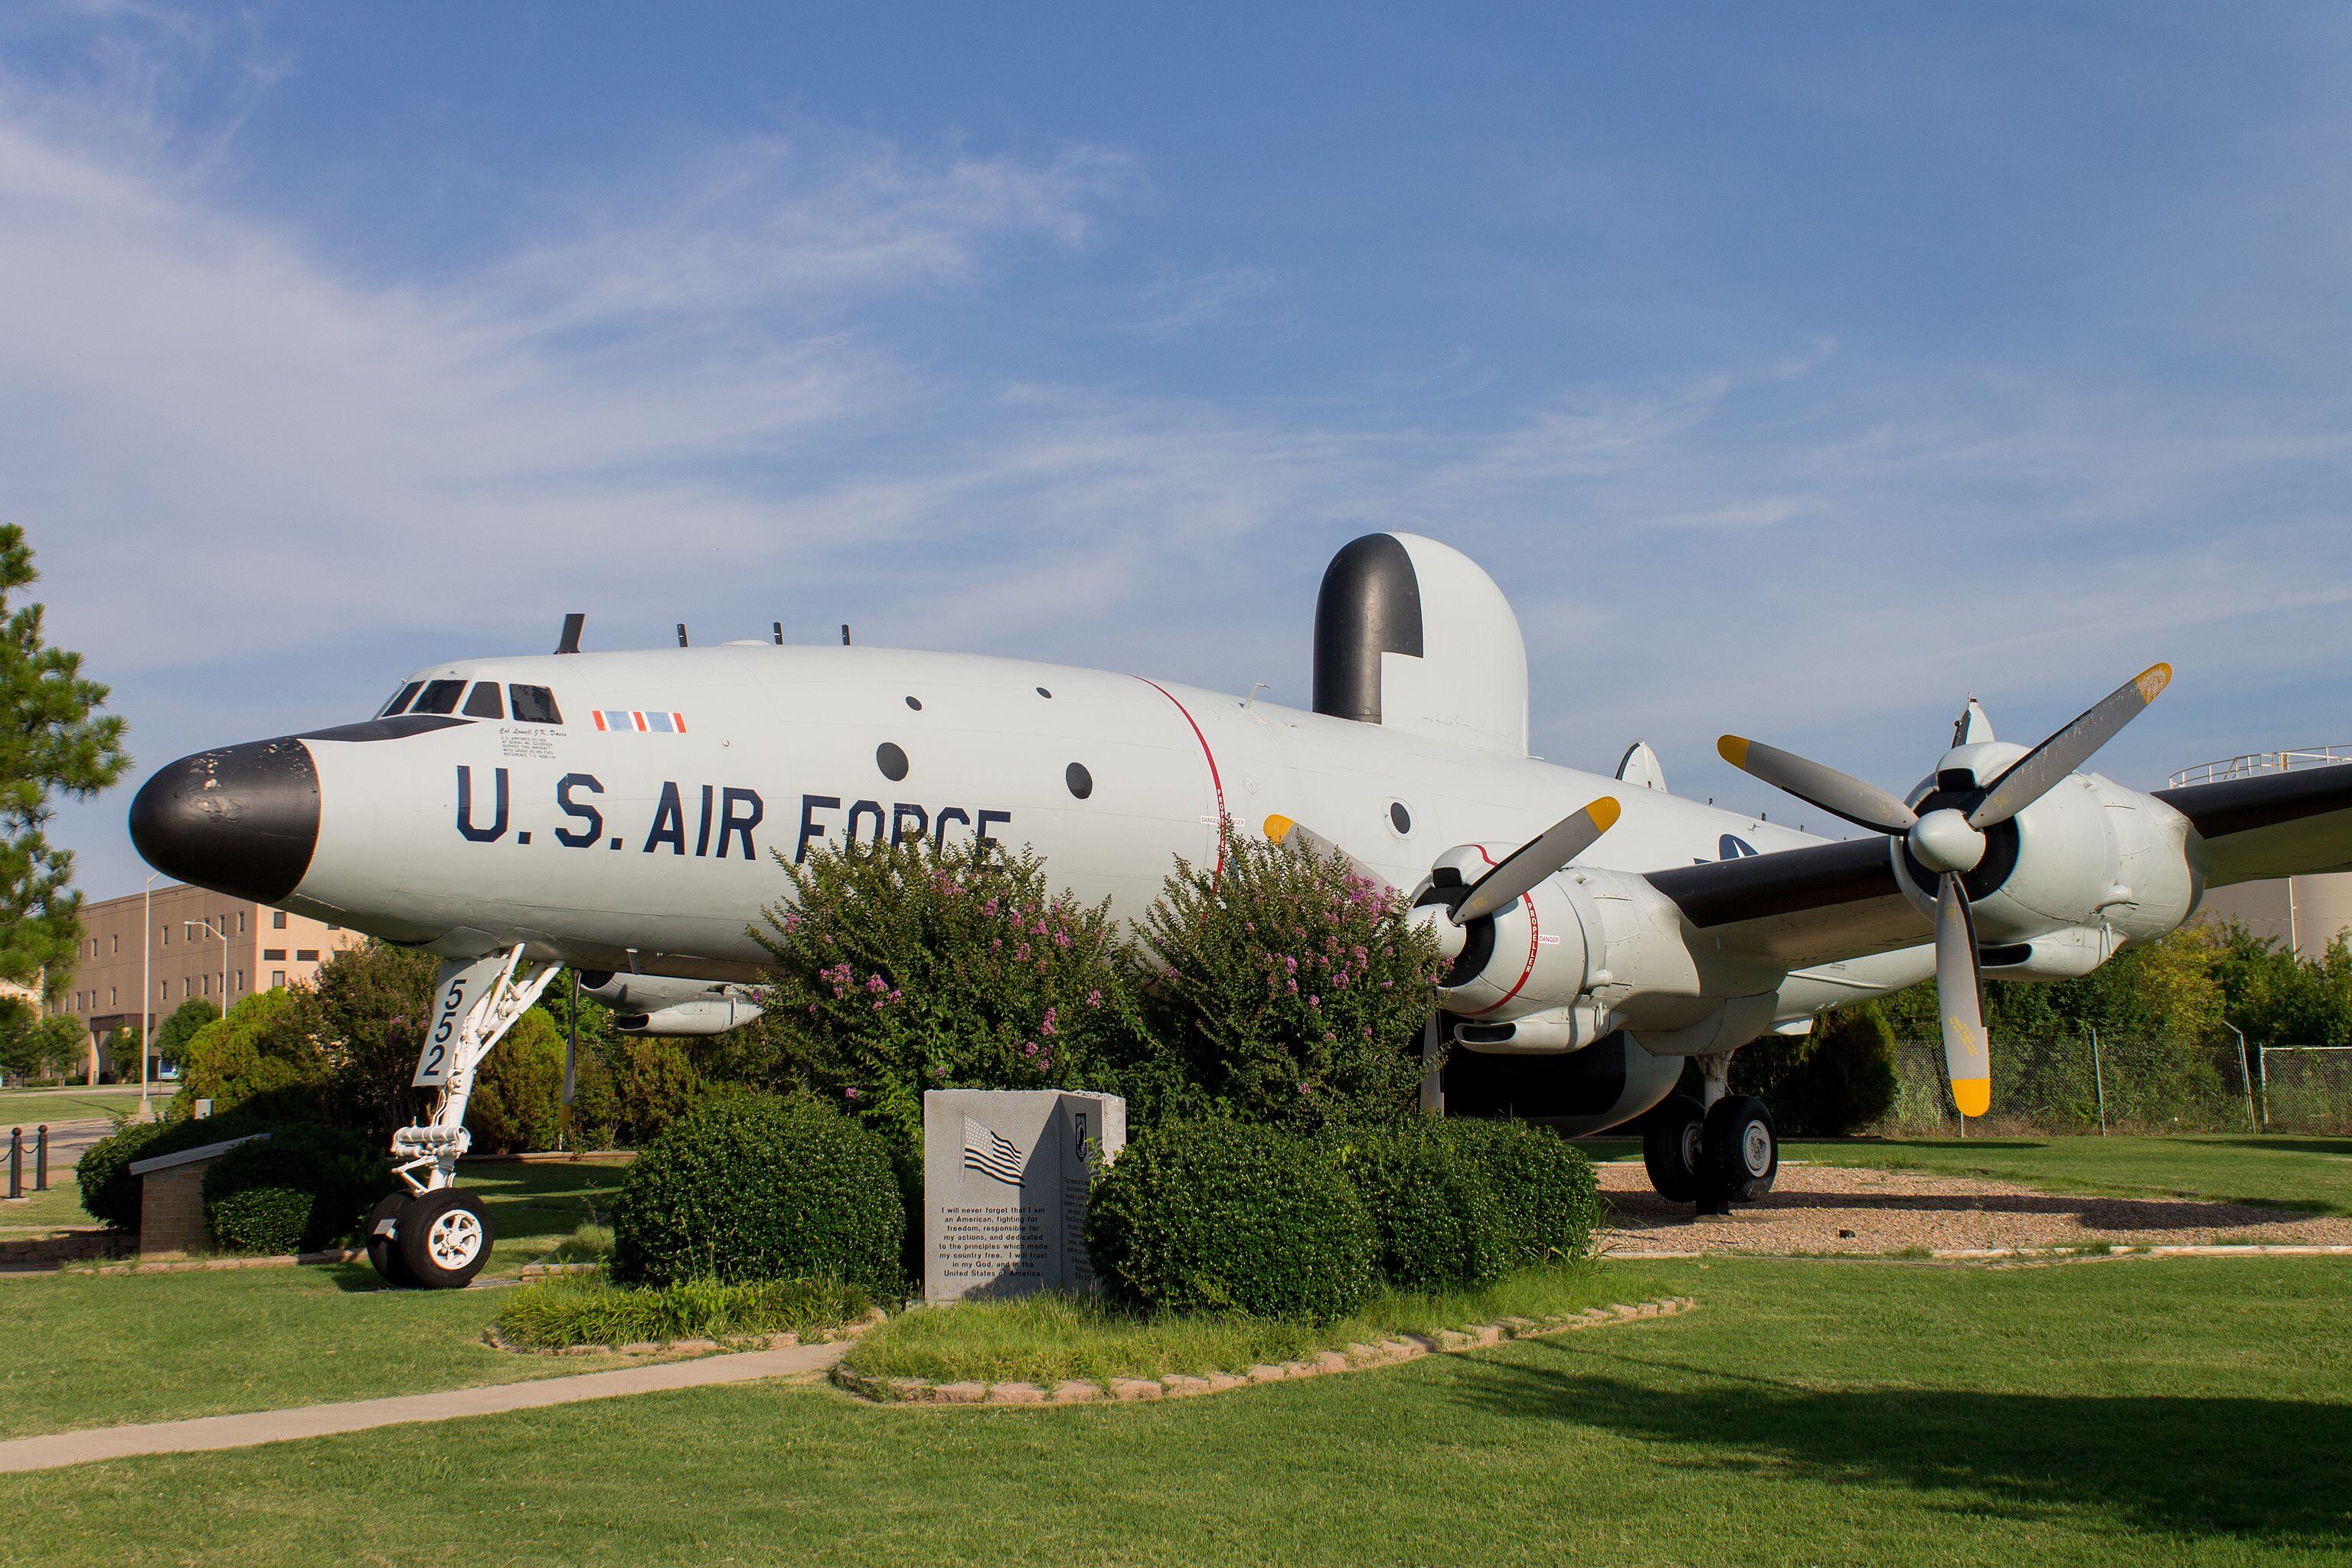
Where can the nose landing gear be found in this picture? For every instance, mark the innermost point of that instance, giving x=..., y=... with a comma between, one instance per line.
x=434, y=1234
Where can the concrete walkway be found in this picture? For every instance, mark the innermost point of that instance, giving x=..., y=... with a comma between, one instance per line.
x=318, y=1420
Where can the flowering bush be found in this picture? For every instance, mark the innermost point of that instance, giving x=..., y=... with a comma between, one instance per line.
x=1292, y=990
x=902, y=967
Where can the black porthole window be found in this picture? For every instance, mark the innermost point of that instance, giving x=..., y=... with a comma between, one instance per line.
x=1398, y=817
x=1081, y=783
x=1045, y=694
x=891, y=760
x=916, y=703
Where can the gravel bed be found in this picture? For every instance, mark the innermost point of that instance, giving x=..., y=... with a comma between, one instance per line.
x=1831, y=1209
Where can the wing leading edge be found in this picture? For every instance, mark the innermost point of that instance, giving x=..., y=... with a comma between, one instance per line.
x=1799, y=907
x=1831, y=901
x=2273, y=824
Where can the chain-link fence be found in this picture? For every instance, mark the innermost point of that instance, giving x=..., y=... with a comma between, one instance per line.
x=2128, y=1085
x=2305, y=1089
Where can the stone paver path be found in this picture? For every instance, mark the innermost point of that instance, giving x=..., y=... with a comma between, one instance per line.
x=318, y=1420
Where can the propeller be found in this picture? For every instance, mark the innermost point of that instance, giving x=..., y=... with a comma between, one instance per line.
x=1512, y=878
x=1950, y=840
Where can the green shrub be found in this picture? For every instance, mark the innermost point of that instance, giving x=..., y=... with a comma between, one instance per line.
x=898, y=968
x=517, y=1099
x=1221, y=1215
x=1836, y=1080
x=301, y=1189
x=269, y=1220
x=1289, y=989
x=654, y=1082
x=110, y=1193
x=576, y=1312
x=1435, y=1218
x=743, y=1188
x=1547, y=1199
x=266, y=1056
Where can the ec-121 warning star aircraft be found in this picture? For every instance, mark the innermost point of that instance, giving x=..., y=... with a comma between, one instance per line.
x=615, y=812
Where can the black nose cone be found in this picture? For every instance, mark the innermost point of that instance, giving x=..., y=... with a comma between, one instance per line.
x=241, y=820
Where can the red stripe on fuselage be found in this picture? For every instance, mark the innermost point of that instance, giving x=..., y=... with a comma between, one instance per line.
x=1534, y=940
x=1216, y=781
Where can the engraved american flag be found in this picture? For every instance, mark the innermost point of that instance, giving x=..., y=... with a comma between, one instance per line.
x=991, y=1153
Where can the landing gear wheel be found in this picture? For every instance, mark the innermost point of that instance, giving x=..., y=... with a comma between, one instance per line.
x=1670, y=1148
x=1741, y=1148
x=384, y=1244
x=445, y=1238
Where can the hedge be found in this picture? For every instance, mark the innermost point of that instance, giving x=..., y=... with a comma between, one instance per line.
x=745, y=1187
x=302, y=1189
x=110, y=1193
x=1219, y=1215
x=1547, y=1199
x=1434, y=1211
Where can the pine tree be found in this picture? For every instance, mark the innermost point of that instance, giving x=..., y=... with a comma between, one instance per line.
x=53, y=740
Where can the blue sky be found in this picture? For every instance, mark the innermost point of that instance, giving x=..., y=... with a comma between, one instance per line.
x=1797, y=369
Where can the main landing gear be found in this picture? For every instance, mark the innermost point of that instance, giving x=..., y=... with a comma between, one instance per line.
x=435, y=1235
x=1725, y=1152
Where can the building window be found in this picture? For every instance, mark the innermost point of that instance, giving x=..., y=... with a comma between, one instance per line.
x=306, y=955
x=277, y=979
x=208, y=984
x=117, y=943
x=165, y=941
x=274, y=954
x=334, y=928
x=114, y=995
x=277, y=920
x=240, y=980
x=241, y=922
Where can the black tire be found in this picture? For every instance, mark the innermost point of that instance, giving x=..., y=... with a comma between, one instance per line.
x=445, y=1238
x=1671, y=1148
x=383, y=1246
x=1741, y=1148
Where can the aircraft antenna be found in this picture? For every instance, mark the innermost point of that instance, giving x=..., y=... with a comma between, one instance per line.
x=844, y=634
x=681, y=633
x=780, y=633
x=570, y=641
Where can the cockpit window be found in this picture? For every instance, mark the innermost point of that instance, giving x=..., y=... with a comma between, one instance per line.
x=440, y=696
x=401, y=699
x=483, y=701
x=533, y=705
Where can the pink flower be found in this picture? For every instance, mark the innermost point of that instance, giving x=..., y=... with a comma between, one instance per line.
x=1047, y=1026
x=1094, y=998
x=1031, y=1048
x=849, y=1094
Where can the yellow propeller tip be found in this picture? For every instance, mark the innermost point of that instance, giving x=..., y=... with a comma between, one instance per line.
x=1278, y=828
x=1972, y=1095
x=2152, y=681
x=1605, y=813
x=1734, y=750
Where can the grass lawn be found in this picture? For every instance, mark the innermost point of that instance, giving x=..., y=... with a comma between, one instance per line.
x=29, y=1108
x=92, y=1350
x=50, y=1210
x=1045, y=1339
x=2285, y=1171
x=2192, y=1411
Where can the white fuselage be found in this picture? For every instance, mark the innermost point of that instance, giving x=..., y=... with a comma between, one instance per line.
x=645, y=850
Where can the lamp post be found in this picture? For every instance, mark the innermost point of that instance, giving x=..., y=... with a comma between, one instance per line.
x=211, y=929
x=146, y=986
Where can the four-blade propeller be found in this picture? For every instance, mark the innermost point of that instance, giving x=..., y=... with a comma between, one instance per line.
x=1949, y=841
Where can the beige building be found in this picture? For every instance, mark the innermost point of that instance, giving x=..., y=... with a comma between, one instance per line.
x=2303, y=914
x=190, y=944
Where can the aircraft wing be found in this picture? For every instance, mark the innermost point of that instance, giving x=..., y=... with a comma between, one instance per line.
x=1799, y=907
x=2273, y=824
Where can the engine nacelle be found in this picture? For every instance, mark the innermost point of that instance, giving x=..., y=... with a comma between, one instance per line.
x=670, y=1005
x=712, y=1017
x=1533, y=957
x=2088, y=867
